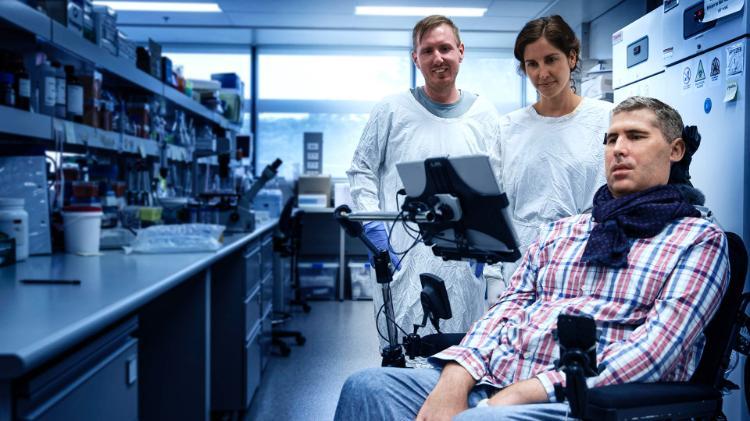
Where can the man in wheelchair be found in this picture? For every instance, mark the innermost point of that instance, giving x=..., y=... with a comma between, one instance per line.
x=646, y=265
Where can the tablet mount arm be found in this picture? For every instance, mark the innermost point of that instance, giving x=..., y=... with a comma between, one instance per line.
x=457, y=222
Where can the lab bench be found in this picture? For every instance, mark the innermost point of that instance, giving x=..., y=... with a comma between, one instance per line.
x=143, y=336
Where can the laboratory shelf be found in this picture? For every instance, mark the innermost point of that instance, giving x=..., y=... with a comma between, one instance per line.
x=70, y=42
x=28, y=124
x=76, y=45
x=23, y=16
x=25, y=123
x=139, y=146
x=152, y=148
x=81, y=134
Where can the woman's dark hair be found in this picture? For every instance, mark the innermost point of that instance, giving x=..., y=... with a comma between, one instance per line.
x=555, y=30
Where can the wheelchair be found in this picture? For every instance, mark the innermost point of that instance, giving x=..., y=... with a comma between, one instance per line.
x=699, y=398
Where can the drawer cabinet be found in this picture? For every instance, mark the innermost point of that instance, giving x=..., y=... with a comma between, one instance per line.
x=98, y=382
x=241, y=295
x=252, y=369
x=252, y=266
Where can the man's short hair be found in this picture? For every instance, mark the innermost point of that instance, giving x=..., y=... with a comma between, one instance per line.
x=429, y=23
x=667, y=118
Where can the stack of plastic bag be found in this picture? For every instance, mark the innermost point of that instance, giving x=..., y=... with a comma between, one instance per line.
x=183, y=238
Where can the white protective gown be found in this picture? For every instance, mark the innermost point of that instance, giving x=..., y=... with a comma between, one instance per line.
x=402, y=130
x=551, y=167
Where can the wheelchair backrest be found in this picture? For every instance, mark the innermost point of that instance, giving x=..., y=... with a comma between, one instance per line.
x=715, y=357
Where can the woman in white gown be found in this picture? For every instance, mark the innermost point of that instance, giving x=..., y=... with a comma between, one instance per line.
x=551, y=151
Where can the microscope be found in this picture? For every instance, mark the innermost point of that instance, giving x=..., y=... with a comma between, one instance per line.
x=242, y=217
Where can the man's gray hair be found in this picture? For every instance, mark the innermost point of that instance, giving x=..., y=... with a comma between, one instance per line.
x=667, y=118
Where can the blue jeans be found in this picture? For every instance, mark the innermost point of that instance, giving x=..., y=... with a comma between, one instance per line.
x=398, y=394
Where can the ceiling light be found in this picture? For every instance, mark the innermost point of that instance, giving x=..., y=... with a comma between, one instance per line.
x=420, y=11
x=157, y=6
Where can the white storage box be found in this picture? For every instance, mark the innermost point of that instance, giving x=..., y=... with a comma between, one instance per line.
x=312, y=201
x=317, y=280
x=359, y=273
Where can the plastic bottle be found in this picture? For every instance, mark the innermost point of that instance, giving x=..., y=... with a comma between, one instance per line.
x=74, y=96
x=14, y=221
x=47, y=89
x=60, y=93
x=7, y=91
x=23, y=86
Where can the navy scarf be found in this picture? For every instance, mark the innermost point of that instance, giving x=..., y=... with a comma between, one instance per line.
x=638, y=215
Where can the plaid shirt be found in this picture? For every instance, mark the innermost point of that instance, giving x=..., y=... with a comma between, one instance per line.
x=650, y=314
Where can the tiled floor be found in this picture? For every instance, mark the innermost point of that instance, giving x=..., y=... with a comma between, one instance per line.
x=341, y=339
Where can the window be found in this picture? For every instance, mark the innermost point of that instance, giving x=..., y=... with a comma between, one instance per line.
x=281, y=134
x=331, y=77
x=321, y=91
x=493, y=75
x=531, y=94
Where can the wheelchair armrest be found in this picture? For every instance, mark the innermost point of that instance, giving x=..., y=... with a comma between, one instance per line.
x=633, y=396
x=432, y=344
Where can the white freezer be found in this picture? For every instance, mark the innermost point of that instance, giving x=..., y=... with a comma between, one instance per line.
x=711, y=93
x=637, y=50
x=684, y=35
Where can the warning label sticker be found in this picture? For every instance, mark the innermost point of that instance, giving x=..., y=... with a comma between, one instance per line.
x=700, y=75
x=735, y=59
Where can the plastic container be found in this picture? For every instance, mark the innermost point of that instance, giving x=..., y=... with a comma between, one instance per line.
x=47, y=88
x=85, y=189
x=359, y=273
x=317, y=280
x=175, y=210
x=82, y=228
x=270, y=201
x=60, y=90
x=14, y=221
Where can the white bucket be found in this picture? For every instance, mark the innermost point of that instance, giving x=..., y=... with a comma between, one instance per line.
x=82, y=231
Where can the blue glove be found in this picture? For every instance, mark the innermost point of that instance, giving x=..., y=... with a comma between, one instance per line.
x=477, y=267
x=376, y=232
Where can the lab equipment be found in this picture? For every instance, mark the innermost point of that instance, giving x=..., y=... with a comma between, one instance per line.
x=243, y=217
x=51, y=281
x=14, y=222
x=359, y=273
x=26, y=177
x=460, y=212
x=314, y=190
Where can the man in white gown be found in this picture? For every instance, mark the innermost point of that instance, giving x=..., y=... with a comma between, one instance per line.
x=436, y=119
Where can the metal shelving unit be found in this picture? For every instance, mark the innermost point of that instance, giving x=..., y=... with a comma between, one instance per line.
x=82, y=48
x=24, y=17
x=58, y=36
x=24, y=123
